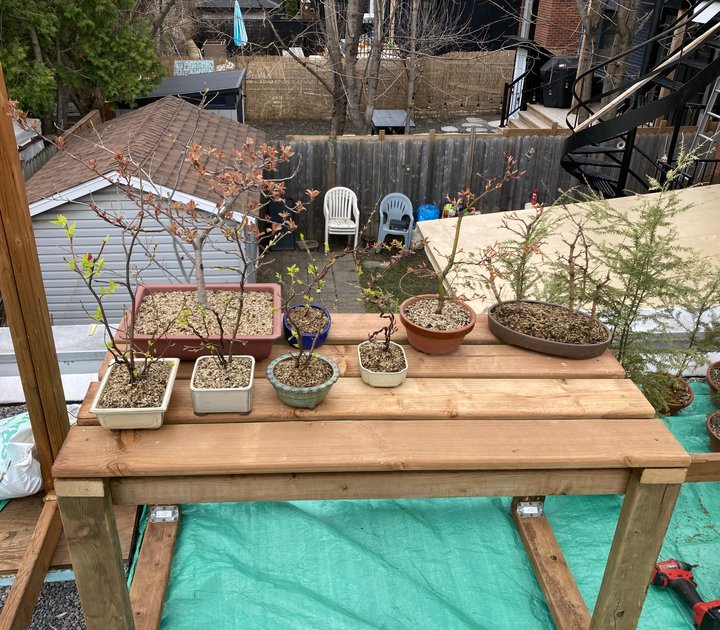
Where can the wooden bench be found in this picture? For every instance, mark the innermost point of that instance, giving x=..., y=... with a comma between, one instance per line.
x=488, y=421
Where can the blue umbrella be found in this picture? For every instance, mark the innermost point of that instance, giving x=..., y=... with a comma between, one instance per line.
x=240, y=34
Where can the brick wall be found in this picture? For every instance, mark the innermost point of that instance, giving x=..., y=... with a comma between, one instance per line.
x=558, y=26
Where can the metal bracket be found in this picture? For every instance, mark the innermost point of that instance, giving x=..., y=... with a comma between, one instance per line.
x=164, y=514
x=529, y=509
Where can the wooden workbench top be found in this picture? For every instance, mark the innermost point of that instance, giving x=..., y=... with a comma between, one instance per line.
x=489, y=406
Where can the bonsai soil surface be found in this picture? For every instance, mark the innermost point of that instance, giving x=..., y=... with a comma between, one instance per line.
x=374, y=357
x=715, y=373
x=159, y=312
x=311, y=373
x=715, y=425
x=423, y=313
x=308, y=320
x=547, y=321
x=148, y=392
x=210, y=374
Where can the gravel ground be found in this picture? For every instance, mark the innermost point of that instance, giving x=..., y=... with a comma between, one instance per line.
x=58, y=607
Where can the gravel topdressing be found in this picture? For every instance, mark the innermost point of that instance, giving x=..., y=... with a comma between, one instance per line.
x=160, y=310
x=422, y=312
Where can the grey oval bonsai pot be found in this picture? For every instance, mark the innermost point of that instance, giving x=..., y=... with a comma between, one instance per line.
x=546, y=346
x=305, y=397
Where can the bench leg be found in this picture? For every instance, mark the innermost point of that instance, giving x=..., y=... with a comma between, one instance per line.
x=644, y=519
x=92, y=537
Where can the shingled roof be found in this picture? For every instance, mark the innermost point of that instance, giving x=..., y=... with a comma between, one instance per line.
x=154, y=136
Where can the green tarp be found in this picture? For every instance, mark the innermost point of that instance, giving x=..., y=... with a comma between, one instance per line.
x=443, y=563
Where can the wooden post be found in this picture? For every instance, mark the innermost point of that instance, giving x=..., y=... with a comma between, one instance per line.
x=332, y=142
x=431, y=168
x=92, y=538
x=644, y=518
x=23, y=295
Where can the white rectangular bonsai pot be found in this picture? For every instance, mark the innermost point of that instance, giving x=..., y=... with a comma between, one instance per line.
x=383, y=379
x=134, y=418
x=226, y=400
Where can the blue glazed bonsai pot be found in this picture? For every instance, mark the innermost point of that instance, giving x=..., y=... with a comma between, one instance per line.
x=307, y=338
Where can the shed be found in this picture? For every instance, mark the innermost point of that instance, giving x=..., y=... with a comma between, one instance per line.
x=221, y=92
x=155, y=136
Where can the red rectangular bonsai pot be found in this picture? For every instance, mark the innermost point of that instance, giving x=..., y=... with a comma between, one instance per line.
x=188, y=347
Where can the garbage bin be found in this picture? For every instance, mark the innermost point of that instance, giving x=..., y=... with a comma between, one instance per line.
x=556, y=76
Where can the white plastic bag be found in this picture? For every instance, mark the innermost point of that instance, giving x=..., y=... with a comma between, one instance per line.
x=19, y=467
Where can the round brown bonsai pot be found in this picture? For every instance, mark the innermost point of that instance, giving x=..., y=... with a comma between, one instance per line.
x=710, y=376
x=431, y=341
x=546, y=346
x=676, y=406
x=713, y=429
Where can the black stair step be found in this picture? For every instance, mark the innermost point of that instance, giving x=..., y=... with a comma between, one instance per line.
x=587, y=161
x=668, y=83
x=606, y=150
x=693, y=63
x=604, y=185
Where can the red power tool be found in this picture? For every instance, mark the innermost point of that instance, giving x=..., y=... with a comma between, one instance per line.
x=678, y=576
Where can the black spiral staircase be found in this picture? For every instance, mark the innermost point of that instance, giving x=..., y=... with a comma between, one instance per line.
x=602, y=151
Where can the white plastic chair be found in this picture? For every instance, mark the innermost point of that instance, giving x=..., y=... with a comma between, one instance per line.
x=341, y=213
x=396, y=217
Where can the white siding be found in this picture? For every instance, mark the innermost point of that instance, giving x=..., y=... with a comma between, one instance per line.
x=66, y=293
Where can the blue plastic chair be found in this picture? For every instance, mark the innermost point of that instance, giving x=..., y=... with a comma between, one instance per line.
x=396, y=218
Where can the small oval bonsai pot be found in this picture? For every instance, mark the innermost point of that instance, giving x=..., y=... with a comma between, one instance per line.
x=222, y=400
x=712, y=380
x=303, y=397
x=382, y=379
x=307, y=338
x=545, y=346
x=137, y=417
x=432, y=341
x=713, y=429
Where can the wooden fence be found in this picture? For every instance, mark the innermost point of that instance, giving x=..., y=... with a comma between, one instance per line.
x=428, y=168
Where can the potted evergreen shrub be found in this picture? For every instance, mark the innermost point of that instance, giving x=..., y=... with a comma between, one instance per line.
x=713, y=428
x=136, y=388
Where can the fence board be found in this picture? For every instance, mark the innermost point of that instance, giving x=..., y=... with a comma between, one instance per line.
x=438, y=167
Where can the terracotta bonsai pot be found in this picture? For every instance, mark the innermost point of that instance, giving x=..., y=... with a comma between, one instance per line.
x=546, y=346
x=712, y=382
x=432, y=341
x=713, y=429
x=188, y=347
x=677, y=406
x=303, y=397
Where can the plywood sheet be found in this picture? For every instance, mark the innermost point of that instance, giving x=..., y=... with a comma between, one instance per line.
x=698, y=227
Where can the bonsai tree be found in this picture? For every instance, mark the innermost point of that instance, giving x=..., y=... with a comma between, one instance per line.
x=379, y=354
x=141, y=369
x=466, y=203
